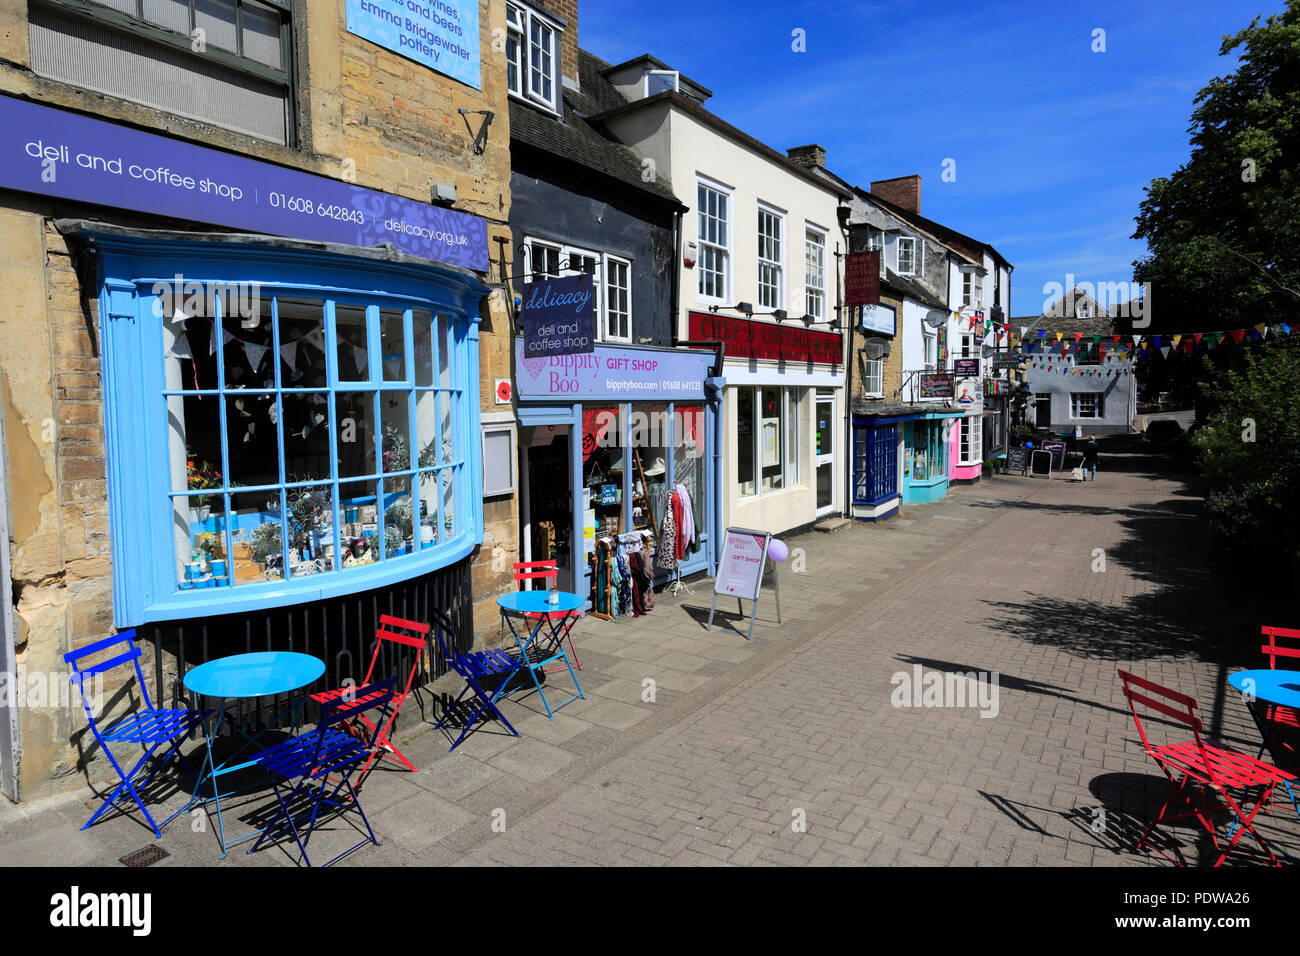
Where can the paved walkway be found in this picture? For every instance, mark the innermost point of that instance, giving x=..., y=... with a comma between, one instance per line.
x=790, y=749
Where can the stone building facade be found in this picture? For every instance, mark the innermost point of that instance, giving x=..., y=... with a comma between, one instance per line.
x=354, y=111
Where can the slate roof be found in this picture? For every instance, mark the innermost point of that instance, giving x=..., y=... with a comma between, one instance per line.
x=1063, y=319
x=947, y=236
x=912, y=289
x=582, y=143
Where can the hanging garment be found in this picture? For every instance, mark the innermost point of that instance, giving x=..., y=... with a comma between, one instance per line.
x=643, y=579
x=625, y=582
x=686, y=530
x=679, y=544
x=602, y=578
x=666, y=553
x=615, y=586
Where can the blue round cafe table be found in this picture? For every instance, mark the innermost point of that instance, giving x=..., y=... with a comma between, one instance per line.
x=242, y=676
x=1272, y=686
x=536, y=603
x=261, y=674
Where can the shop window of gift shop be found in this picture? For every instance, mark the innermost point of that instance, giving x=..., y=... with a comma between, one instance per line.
x=306, y=438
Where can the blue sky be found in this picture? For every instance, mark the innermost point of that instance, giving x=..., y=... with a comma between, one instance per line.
x=1053, y=143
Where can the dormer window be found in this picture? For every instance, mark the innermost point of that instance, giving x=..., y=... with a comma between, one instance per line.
x=661, y=81
x=1082, y=309
x=532, y=57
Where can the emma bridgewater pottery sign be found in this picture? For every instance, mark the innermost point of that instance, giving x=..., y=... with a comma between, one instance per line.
x=559, y=317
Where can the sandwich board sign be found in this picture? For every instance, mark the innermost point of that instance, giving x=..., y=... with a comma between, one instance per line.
x=1018, y=460
x=740, y=571
x=1040, y=465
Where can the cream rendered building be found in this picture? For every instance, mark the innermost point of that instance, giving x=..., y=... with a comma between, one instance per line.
x=762, y=235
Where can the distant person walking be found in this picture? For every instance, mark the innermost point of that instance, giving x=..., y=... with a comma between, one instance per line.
x=1090, y=458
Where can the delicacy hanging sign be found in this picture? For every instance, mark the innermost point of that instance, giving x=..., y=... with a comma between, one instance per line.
x=559, y=317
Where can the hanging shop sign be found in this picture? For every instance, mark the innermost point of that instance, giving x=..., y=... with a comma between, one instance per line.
x=559, y=317
x=1007, y=360
x=879, y=318
x=612, y=373
x=966, y=368
x=441, y=34
x=52, y=152
x=747, y=338
x=862, y=278
x=936, y=386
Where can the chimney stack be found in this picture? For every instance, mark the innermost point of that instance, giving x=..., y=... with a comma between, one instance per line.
x=808, y=156
x=904, y=191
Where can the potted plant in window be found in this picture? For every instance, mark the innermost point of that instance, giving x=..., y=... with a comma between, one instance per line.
x=394, y=542
x=200, y=476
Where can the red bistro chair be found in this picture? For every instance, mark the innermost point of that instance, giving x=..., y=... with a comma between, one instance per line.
x=1277, y=715
x=395, y=630
x=1216, y=769
x=547, y=570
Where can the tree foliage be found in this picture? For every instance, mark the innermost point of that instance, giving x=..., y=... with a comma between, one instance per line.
x=1223, y=231
x=1249, y=448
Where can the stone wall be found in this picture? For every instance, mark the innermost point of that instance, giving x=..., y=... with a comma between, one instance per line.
x=364, y=113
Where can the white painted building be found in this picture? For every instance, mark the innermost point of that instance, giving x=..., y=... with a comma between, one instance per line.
x=758, y=268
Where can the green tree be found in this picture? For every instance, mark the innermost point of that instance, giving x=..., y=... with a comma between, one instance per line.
x=1249, y=449
x=1223, y=231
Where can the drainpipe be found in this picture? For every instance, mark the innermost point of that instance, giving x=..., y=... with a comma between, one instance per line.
x=714, y=384
x=843, y=213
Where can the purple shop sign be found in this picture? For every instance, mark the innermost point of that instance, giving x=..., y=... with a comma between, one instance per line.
x=52, y=152
x=612, y=373
x=559, y=316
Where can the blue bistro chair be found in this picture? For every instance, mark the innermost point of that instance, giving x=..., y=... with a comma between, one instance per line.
x=313, y=769
x=149, y=727
x=476, y=668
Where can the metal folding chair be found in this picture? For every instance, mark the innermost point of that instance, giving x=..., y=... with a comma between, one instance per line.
x=319, y=765
x=475, y=668
x=560, y=623
x=1214, y=768
x=149, y=727
x=409, y=639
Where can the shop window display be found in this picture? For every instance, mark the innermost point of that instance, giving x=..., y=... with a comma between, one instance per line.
x=320, y=437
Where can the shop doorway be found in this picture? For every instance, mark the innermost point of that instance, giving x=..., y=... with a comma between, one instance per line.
x=825, y=452
x=547, y=517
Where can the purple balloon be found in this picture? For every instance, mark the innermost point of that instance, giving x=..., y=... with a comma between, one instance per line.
x=777, y=551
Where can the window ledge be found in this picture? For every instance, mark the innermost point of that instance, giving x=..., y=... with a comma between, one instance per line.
x=315, y=587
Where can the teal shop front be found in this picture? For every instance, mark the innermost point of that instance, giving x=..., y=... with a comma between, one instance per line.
x=925, y=456
x=605, y=438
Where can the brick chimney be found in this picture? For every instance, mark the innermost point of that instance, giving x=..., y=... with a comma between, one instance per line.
x=905, y=192
x=808, y=156
x=568, y=9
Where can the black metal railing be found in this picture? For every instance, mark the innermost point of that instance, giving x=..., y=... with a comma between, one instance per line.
x=340, y=631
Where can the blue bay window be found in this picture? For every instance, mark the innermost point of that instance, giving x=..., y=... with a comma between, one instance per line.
x=283, y=425
x=875, y=463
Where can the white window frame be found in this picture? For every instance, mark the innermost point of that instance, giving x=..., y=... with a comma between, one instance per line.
x=1098, y=405
x=600, y=279
x=723, y=252
x=1082, y=308
x=930, y=350
x=788, y=431
x=777, y=264
x=814, y=257
x=970, y=443
x=898, y=255
x=645, y=81
x=873, y=377
x=520, y=22
x=607, y=333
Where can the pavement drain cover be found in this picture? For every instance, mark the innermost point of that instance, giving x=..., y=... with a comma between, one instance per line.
x=146, y=856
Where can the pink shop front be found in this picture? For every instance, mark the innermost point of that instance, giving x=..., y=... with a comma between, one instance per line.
x=965, y=445
x=606, y=441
